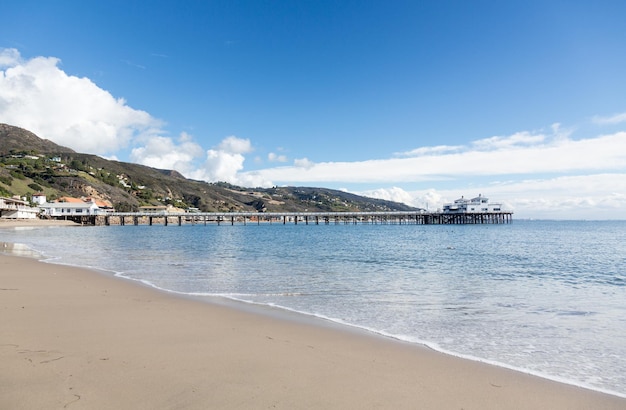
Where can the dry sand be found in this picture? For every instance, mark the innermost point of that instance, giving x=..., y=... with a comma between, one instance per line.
x=72, y=338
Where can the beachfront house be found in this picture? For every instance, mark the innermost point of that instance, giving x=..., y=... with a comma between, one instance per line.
x=480, y=204
x=65, y=209
x=15, y=208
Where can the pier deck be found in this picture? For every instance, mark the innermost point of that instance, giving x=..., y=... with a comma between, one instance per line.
x=305, y=218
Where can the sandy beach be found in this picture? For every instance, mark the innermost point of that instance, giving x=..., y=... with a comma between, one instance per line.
x=14, y=223
x=73, y=338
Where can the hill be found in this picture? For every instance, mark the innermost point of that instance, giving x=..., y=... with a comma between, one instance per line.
x=29, y=164
x=19, y=139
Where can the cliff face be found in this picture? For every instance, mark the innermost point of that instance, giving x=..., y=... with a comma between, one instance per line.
x=29, y=164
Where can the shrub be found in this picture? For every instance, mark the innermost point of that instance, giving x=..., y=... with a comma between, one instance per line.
x=17, y=175
x=6, y=180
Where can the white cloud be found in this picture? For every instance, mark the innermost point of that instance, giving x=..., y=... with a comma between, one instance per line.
x=303, y=163
x=224, y=162
x=71, y=111
x=165, y=153
x=517, y=155
x=595, y=196
x=519, y=139
x=273, y=157
x=437, y=150
x=9, y=57
x=516, y=140
x=234, y=145
x=223, y=166
x=613, y=119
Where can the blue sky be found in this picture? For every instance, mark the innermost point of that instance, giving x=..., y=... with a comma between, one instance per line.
x=420, y=102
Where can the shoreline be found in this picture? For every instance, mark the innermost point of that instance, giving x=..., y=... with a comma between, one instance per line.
x=85, y=339
x=286, y=314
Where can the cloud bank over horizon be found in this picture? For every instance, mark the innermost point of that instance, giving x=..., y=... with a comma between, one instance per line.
x=545, y=173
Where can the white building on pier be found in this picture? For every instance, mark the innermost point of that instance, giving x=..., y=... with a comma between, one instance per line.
x=480, y=204
x=63, y=209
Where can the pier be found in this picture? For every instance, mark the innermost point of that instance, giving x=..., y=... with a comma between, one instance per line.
x=298, y=218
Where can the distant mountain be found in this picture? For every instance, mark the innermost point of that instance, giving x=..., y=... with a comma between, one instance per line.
x=29, y=164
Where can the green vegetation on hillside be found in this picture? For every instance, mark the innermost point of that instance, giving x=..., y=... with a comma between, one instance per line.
x=29, y=165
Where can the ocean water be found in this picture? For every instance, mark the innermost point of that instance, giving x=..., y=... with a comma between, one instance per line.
x=544, y=297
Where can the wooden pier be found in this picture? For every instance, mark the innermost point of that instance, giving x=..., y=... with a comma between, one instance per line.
x=304, y=218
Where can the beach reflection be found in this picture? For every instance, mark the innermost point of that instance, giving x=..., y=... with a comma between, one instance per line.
x=18, y=249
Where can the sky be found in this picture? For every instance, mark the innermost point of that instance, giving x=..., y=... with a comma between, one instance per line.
x=420, y=102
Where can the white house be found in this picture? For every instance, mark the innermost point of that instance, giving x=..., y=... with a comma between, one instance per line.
x=60, y=209
x=480, y=204
x=12, y=208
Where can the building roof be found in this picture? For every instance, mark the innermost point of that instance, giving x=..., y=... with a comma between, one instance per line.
x=70, y=200
x=74, y=205
x=100, y=202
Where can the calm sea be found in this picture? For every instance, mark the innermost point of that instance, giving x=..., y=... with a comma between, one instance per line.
x=545, y=297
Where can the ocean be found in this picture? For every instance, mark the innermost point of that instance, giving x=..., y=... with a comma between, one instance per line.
x=544, y=297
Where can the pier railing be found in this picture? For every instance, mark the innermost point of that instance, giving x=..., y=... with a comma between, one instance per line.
x=306, y=218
